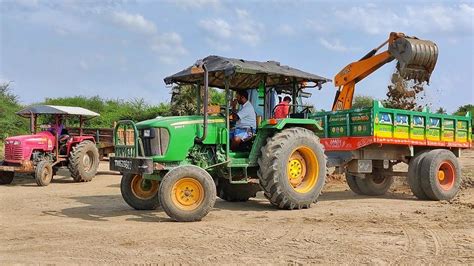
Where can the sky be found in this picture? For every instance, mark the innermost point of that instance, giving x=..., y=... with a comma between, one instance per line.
x=124, y=49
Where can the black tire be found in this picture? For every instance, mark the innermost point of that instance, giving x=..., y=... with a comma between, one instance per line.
x=6, y=177
x=43, y=173
x=183, y=184
x=374, y=184
x=414, y=176
x=84, y=161
x=435, y=162
x=139, y=193
x=236, y=192
x=352, y=183
x=307, y=168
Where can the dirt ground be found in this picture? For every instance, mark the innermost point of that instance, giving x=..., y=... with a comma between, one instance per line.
x=90, y=223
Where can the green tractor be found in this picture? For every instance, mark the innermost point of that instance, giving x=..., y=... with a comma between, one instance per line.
x=183, y=162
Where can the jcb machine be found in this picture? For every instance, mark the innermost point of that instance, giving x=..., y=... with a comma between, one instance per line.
x=183, y=162
x=366, y=143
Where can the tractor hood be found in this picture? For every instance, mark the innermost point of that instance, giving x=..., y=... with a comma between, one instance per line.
x=38, y=138
x=178, y=121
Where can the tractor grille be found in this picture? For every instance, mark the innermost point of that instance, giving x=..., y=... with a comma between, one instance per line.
x=156, y=141
x=13, y=152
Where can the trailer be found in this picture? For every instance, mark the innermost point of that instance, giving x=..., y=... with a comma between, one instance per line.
x=366, y=143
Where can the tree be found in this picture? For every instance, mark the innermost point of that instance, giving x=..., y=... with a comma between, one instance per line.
x=441, y=110
x=361, y=101
x=9, y=105
x=463, y=109
x=184, y=99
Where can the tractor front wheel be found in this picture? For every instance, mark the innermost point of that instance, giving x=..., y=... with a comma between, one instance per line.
x=187, y=193
x=292, y=168
x=84, y=161
x=140, y=193
x=43, y=173
x=6, y=177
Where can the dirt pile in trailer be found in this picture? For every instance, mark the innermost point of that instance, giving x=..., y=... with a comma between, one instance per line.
x=404, y=93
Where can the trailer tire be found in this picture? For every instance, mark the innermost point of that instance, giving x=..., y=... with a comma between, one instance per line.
x=84, y=161
x=43, y=173
x=352, y=183
x=187, y=193
x=6, y=177
x=292, y=168
x=374, y=184
x=236, y=192
x=138, y=193
x=414, y=176
x=440, y=175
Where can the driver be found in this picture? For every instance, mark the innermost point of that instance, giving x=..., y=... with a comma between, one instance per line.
x=246, y=119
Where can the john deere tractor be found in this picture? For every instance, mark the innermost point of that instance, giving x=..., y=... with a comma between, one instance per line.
x=184, y=162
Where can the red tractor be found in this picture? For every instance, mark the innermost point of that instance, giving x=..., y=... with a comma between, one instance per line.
x=43, y=152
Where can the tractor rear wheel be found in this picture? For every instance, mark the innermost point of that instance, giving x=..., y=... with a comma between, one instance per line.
x=84, y=161
x=292, y=168
x=6, y=177
x=374, y=184
x=187, y=193
x=43, y=173
x=414, y=176
x=352, y=183
x=140, y=193
x=441, y=175
x=236, y=192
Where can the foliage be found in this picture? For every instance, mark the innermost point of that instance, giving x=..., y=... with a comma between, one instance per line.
x=361, y=101
x=462, y=110
x=441, y=110
x=113, y=110
x=184, y=99
x=10, y=123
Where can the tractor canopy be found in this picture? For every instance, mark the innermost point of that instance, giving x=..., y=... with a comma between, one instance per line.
x=56, y=110
x=243, y=74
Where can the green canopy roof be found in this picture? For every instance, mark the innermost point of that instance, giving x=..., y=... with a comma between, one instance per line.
x=243, y=74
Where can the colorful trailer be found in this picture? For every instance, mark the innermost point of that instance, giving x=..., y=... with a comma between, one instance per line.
x=366, y=143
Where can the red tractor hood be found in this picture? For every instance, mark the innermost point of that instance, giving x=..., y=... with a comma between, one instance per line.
x=20, y=148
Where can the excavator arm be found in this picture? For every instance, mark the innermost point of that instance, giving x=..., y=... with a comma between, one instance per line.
x=416, y=60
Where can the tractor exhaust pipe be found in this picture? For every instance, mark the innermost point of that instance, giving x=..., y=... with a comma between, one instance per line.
x=205, y=105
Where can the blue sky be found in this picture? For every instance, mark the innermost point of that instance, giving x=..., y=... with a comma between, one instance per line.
x=124, y=49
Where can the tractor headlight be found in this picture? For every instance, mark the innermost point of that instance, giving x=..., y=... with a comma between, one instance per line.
x=7, y=142
x=16, y=142
x=146, y=133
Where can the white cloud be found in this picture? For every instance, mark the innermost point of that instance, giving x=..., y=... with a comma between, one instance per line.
x=190, y=4
x=242, y=27
x=169, y=47
x=334, y=45
x=435, y=18
x=133, y=22
x=286, y=29
x=218, y=27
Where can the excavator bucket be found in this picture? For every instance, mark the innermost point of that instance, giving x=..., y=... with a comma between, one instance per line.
x=416, y=58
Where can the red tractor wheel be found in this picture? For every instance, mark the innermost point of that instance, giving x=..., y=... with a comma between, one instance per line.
x=43, y=173
x=84, y=161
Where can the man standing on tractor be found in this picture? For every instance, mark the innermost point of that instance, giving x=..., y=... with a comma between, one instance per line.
x=246, y=120
x=283, y=108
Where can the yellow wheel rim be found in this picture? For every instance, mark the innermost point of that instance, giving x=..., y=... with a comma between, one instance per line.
x=187, y=193
x=143, y=188
x=302, y=169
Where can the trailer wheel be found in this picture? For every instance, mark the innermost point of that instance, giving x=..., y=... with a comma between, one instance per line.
x=352, y=183
x=84, y=161
x=140, y=193
x=6, y=177
x=43, y=173
x=441, y=175
x=292, y=168
x=187, y=193
x=236, y=192
x=374, y=184
x=414, y=176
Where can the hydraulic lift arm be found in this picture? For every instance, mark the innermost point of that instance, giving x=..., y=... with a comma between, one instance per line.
x=416, y=60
